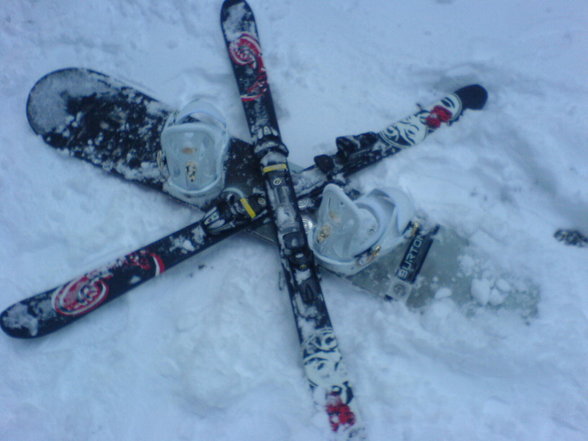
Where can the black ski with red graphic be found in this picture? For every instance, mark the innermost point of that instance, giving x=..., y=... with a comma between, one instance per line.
x=322, y=360
x=53, y=309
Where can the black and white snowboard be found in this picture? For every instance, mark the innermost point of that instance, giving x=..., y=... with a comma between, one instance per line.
x=116, y=127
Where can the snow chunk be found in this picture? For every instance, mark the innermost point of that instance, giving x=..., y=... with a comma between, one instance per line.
x=481, y=290
x=443, y=293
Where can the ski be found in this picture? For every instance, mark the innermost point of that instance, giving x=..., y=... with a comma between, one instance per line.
x=322, y=359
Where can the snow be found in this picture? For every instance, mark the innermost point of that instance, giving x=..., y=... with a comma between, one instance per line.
x=208, y=351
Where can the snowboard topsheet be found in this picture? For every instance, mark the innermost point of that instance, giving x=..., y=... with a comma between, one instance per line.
x=116, y=127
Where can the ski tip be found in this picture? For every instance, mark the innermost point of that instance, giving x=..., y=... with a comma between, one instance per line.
x=31, y=318
x=473, y=96
x=228, y=4
x=13, y=326
x=11, y=330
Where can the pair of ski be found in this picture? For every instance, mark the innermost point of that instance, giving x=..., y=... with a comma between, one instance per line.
x=108, y=124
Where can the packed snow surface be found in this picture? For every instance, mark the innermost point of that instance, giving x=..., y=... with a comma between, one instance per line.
x=209, y=351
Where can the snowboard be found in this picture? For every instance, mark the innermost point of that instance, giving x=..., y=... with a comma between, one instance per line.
x=116, y=127
x=82, y=112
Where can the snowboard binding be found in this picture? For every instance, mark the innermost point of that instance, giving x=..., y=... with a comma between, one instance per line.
x=194, y=146
x=348, y=235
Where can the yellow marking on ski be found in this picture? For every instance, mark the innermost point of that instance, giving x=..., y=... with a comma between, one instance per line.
x=275, y=167
x=250, y=211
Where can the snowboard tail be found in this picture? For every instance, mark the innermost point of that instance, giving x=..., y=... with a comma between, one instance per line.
x=98, y=119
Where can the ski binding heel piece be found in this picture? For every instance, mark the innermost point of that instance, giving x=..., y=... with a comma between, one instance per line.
x=194, y=146
x=350, y=235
